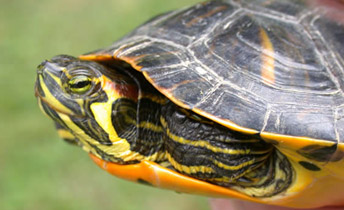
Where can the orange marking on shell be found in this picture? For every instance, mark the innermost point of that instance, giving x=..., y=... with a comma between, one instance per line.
x=132, y=61
x=179, y=84
x=267, y=70
x=225, y=122
x=166, y=92
x=96, y=57
x=119, y=50
x=115, y=56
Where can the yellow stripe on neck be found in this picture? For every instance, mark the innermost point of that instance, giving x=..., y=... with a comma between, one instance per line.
x=203, y=143
x=188, y=169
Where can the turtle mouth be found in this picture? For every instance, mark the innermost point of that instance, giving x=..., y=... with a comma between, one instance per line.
x=51, y=106
x=37, y=94
x=46, y=104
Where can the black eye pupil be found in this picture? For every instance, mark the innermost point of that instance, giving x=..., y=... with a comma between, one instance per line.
x=81, y=84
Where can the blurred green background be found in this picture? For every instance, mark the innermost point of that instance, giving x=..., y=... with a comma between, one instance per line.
x=37, y=169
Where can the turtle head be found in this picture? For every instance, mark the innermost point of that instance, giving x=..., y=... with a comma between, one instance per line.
x=78, y=95
x=65, y=83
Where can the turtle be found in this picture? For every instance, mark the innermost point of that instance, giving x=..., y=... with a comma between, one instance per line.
x=226, y=98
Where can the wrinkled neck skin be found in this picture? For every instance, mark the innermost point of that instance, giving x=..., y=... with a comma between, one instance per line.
x=135, y=119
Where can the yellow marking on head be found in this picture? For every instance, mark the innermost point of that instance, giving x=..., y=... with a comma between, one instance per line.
x=267, y=67
x=65, y=134
x=119, y=149
x=77, y=132
x=50, y=100
x=102, y=113
x=56, y=79
x=81, y=102
x=39, y=100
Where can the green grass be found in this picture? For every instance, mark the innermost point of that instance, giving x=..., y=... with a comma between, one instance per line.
x=37, y=169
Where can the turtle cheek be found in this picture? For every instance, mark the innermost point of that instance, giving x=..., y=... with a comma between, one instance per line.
x=61, y=120
x=52, y=99
x=65, y=104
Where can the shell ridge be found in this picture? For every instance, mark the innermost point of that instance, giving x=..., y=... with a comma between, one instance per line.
x=323, y=50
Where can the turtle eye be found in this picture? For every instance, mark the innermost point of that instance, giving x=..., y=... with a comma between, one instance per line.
x=80, y=84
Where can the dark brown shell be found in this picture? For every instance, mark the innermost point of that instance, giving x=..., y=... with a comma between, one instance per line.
x=255, y=66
